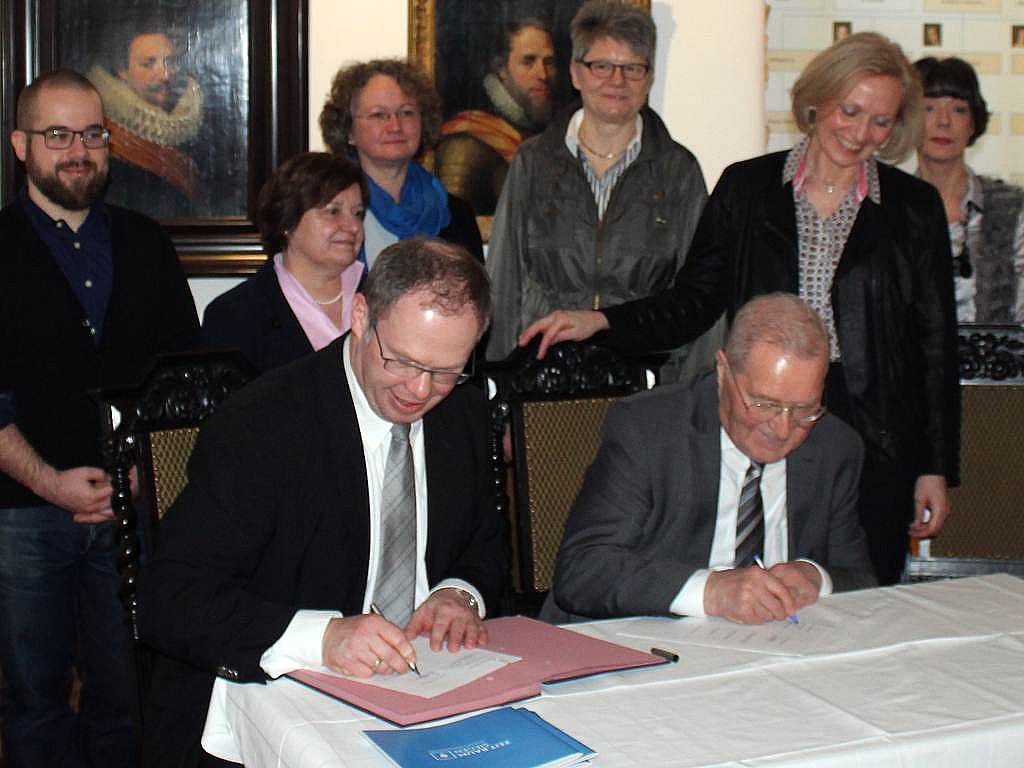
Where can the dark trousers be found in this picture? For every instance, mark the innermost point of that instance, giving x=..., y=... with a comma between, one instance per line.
x=886, y=503
x=59, y=608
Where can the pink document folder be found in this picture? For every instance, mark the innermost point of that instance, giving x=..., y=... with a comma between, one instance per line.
x=548, y=653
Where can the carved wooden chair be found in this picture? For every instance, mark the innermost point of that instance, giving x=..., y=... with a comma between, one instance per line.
x=153, y=427
x=553, y=410
x=984, y=533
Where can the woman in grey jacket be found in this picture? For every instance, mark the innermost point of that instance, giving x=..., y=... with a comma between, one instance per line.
x=601, y=207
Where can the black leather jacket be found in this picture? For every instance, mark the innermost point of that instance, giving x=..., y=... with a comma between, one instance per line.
x=892, y=297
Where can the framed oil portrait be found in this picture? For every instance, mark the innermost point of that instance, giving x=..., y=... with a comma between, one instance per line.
x=203, y=99
x=841, y=30
x=501, y=69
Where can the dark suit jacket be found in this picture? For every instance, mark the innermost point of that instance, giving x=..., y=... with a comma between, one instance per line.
x=255, y=317
x=275, y=518
x=645, y=518
x=892, y=296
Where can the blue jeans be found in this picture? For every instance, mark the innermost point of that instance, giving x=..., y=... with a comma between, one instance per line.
x=59, y=607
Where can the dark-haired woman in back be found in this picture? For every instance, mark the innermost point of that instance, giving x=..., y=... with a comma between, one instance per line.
x=985, y=214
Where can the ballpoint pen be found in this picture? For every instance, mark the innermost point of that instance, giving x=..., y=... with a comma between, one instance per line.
x=760, y=564
x=377, y=612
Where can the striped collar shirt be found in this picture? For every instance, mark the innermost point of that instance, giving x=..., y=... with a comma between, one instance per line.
x=602, y=186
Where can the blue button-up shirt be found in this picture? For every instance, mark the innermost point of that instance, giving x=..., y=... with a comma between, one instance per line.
x=85, y=257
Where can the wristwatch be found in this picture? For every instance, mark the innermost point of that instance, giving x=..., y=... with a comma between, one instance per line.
x=470, y=600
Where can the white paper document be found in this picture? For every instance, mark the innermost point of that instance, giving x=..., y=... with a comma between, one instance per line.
x=856, y=621
x=440, y=671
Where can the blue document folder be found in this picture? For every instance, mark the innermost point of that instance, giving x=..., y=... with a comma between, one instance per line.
x=503, y=738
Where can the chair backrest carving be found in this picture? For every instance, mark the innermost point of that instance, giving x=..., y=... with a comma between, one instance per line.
x=992, y=354
x=176, y=395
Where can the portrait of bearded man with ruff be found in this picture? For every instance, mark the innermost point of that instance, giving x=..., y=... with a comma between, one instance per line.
x=153, y=112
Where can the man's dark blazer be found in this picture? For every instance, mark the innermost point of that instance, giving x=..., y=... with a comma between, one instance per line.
x=645, y=518
x=275, y=518
x=256, y=318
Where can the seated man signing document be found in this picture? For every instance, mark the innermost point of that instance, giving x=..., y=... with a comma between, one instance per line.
x=693, y=484
x=356, y=476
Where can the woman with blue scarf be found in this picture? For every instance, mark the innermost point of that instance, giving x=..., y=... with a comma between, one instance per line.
x=384, y=113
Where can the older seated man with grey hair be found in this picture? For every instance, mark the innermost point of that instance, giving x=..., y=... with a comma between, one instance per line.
x=733, y=496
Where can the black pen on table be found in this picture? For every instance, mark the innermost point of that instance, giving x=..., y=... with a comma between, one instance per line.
x=376, y=612
x=666, y=655
x=760, y=564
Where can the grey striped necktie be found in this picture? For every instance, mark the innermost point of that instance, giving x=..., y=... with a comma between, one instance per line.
x=396, y=574
x=750, y=518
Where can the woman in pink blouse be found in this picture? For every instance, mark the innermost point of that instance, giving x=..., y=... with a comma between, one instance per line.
x=310, y=216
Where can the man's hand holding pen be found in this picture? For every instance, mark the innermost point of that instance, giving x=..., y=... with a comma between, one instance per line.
x=755, y=595
x=369, y=644
x=364, y=645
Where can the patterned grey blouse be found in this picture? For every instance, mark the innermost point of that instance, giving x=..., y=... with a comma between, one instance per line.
x=820, y=242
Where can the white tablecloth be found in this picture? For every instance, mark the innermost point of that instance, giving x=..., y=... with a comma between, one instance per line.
x=924, y=675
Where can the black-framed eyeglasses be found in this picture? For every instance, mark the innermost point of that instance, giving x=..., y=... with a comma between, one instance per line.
x=407, y=369
x=59, y=137
x=766, y=410
x=603, y=69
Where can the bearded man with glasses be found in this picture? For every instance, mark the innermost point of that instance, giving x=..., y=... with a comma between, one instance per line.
x=733, y=496
x=89, y=292
x=337, y=508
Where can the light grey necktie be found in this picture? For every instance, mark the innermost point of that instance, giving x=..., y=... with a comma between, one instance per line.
x=750, y=518
x=396, y=575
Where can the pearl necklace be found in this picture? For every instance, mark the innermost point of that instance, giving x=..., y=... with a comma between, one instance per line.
x=329, y=301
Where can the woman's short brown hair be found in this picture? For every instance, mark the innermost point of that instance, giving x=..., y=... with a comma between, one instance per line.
x=305, y=181
x=837, y=69
x=616, y=20
x=336, y=116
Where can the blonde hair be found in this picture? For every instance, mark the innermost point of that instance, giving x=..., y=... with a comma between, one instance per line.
x=833, y=72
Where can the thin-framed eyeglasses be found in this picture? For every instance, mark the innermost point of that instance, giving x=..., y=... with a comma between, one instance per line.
x=59, y=137
x=407, y=369
x=766, y=410
x=602, y=69
x=405, y=114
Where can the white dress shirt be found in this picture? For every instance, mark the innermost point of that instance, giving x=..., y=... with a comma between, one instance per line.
x=301, y=645
x=690, y=599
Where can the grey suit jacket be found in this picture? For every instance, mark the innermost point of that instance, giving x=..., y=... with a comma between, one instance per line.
x=645, y=518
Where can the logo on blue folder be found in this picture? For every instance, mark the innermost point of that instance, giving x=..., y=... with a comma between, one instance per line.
x=468, y=750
